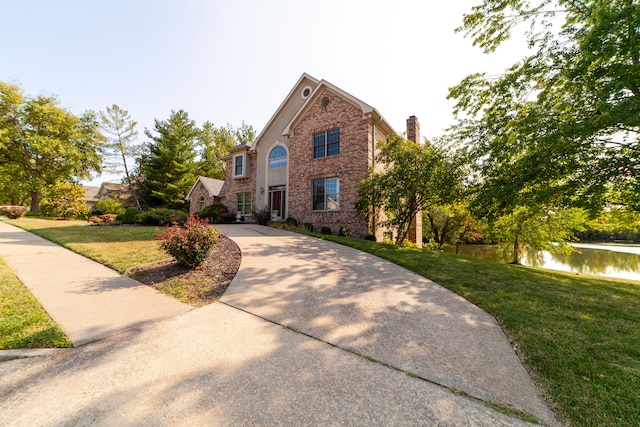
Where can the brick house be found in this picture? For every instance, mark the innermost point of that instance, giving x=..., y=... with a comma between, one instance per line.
x=205, y=192
x=307, y=161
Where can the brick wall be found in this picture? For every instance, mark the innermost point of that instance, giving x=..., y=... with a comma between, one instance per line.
x=200, y=191
x=351, y=165
x=242, y=185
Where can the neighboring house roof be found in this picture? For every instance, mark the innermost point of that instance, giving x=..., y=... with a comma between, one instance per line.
x=215, y=187
x=90, y=193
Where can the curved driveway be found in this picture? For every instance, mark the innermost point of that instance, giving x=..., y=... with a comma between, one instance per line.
x=361, y=303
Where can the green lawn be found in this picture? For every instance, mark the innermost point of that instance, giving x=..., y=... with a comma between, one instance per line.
x=579, y=336
x=23, y=321
x=118, y=247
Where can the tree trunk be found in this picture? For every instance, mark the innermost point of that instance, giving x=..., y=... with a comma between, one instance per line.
x=35, y=200
x=516, y=252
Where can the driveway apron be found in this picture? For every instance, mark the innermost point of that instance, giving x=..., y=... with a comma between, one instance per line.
x=374, y=308
x=88, y=300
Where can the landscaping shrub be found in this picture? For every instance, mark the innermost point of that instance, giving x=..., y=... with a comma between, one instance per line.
x=308, y=226
x=263, y=216
x=370, y=237
x=161, y=216
x=107, y=206
x=215, y=213
x=325, y=230
x=13, y=212
x=228, y=218
x=291, y=222
x=191, y=244
x=344, y=231
x=128, y=216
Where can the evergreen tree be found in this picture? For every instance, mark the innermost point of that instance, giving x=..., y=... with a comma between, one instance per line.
x=168, y=165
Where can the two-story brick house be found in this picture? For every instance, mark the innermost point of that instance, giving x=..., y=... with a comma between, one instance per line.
x=307, y=161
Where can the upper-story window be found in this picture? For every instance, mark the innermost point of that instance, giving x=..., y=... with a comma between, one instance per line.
x=238, y=166
x=326, y=144
x=278, y=157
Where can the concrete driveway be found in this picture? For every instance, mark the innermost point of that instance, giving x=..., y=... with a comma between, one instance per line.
x=362, y=342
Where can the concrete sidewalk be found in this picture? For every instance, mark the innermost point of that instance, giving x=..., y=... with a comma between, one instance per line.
x=88, y=300
x=364, y=304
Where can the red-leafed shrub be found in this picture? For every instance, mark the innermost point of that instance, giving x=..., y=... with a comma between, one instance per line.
x=190, y=244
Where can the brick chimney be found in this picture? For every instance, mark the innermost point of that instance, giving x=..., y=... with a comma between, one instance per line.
x=413, y=129
x=415, y=229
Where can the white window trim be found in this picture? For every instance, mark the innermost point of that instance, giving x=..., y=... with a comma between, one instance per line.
x=244, y=165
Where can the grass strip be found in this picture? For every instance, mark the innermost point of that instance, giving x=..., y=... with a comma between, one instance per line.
x=23, y=321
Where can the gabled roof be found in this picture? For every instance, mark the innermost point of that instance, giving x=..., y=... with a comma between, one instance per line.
x=291, y=93
x=367, y=109
x=215, y=187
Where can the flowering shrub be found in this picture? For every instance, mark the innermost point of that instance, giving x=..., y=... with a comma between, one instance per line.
x=13, y=212
x=190, y=244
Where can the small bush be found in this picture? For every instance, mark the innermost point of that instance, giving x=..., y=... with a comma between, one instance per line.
x=13, y=212
x=262, y=216
x=162, y=216
x=128, y=216
x=215, y=213
x=308, y=226
x=107, y=206
x=291, y=222
x=228, y=218
x=344, y=231
x=325, y=230
x=370, y=237
x=191, y=244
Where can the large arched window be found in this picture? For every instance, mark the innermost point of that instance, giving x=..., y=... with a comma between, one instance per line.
x=278, y=158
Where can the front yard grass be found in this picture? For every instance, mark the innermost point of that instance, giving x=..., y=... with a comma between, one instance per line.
x=23, y=321
x=579, y=336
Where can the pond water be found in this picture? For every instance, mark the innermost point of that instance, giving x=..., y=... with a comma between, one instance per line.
x=601, y=259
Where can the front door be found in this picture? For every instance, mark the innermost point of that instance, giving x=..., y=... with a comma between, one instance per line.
x=277, y=201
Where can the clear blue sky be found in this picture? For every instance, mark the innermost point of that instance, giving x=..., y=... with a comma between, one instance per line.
x=233, y=60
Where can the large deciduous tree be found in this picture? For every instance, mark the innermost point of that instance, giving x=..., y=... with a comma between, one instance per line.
x=215, y=143
x=42, y=143
x=167, y=166
x=414, y=176
x=560, y=127
x=120, y=131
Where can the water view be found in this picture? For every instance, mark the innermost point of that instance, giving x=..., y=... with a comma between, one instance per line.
x=602, y=259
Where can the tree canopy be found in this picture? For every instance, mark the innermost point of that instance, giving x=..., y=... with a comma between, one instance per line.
x=560, y=127
x=415, y=176
x=215, y=143
x=42, y=143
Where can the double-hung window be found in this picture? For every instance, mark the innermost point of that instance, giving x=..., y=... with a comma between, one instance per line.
x=326, y=144
x=238, y=166
x=243, y=205
x=326, y=194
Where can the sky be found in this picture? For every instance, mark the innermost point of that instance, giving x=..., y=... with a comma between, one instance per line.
x=232, y=61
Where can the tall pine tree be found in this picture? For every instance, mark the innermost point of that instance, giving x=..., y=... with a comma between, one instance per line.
x=167, y=166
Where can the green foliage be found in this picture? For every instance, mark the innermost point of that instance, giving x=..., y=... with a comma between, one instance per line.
x=190, y=244
x=161, y=216
x=540, y=230
x=416, y=176
x=13, y=212
x=325, y=230
x=129, y=216
x=262, y=216
x=168, y=164
x=215, y=143
x=217, y=213
x=308, y=226
x=449, y=224
x=108, y=206
x=291, y=222
x=370, y=237
x=63, y=200
x=42, y=144
x=616, y=224
x=344, y=231
x=121, y=135
x=560, y=127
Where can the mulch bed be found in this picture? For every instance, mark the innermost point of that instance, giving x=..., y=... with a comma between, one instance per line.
x=200, y=286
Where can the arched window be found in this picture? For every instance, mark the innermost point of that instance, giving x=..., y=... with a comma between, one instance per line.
x=278, y=158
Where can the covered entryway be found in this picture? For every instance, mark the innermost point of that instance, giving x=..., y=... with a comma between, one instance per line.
x=277, y=201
